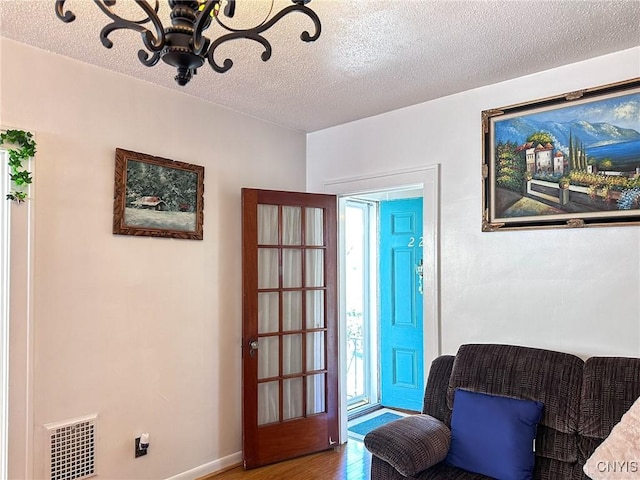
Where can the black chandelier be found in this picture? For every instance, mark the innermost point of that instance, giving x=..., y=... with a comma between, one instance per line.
x=183, y=45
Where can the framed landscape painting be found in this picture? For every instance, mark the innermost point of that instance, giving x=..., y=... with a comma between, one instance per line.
x=566, y=161
x=157, y=197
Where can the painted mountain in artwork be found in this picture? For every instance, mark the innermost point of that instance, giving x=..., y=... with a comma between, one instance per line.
x=590, y=134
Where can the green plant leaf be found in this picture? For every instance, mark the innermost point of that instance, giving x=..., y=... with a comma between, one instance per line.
x=20, y=147
x=17, y=196
x=21, y=178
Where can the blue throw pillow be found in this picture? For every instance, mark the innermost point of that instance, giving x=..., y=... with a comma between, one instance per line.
x=494, y=435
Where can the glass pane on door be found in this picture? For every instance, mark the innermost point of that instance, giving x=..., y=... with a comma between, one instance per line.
x=315, y=309
x=291, y=268
x=268, y=352
x=291, y=226
x=267, y=268
x=291, y=311
x=315, y=394
x=291, y=354
x=292, y=396
x=314, y=268
x=267, y=312
x=314, y=232
x=315, y=351
x=268, y=403
x=267, y=224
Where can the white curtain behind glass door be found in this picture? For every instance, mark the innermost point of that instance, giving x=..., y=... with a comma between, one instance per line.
x=268, y=315
x=314, y=273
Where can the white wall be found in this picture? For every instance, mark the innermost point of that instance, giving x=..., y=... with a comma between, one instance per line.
x=573, y=290
x=144, y=331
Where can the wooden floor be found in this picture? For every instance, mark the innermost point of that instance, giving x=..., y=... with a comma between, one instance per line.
x=351, y=461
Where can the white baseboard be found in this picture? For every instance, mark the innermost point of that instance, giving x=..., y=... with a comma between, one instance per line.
x=209, y=468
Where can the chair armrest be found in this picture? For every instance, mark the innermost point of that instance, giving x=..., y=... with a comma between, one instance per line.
x=435, y=394
x=411, y=444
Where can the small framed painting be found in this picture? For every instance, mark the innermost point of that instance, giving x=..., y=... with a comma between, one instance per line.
x=567, y=161
x=157, y=197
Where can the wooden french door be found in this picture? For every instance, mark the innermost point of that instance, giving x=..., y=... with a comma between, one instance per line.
x=289, y=331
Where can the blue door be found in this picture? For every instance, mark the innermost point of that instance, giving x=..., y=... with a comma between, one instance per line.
x=401, y=325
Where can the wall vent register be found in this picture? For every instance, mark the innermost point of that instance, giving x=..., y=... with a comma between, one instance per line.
x=71, y=449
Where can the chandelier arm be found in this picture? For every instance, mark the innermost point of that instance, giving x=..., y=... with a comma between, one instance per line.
x=228, y=63
x=152, y=42
x=202, y=23
x=147, y=61
x=112, y=3
x=266, y=25
x=230, y=29
x=305, y=36
x=69, y=16
x=255, y=35
x=156, y=8
x=66, y=17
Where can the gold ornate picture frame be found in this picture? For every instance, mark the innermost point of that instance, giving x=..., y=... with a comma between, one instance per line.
x=567, y=161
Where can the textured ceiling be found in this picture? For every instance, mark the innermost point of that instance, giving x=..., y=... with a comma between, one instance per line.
x=372, y=56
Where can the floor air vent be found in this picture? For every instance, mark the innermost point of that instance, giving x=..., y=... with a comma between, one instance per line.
x=71, y=452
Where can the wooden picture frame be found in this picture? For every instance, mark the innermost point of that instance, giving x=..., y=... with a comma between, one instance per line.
x=157, y=197
x=567, y=161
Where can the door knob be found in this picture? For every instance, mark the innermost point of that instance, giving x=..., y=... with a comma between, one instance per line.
x=253, y=346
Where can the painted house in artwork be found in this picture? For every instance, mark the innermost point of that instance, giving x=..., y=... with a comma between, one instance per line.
x=558, y=163
x=540, y=159
x=530, y=155
x=544, y=155
x=151, y=203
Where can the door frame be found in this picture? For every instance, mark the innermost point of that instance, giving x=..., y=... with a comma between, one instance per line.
x=426, y=177
x=19, y=342
x=371, y=359
x=5, y=232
